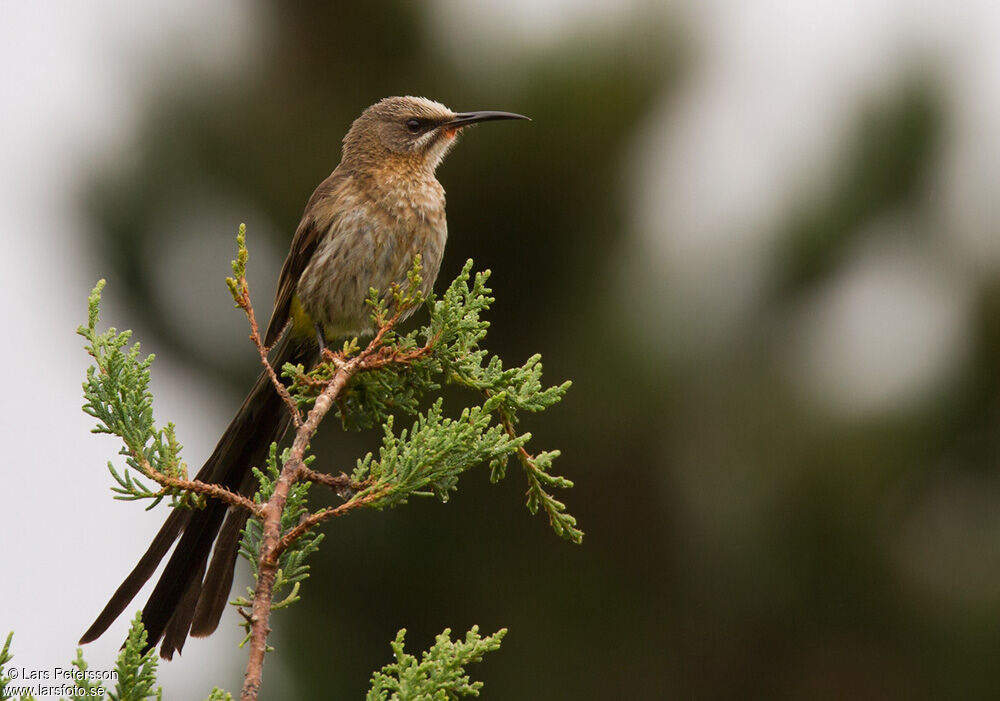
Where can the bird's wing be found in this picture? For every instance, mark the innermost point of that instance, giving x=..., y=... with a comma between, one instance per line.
x=316, y=219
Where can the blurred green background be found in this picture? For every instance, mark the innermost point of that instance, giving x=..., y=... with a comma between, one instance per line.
x=783, y=427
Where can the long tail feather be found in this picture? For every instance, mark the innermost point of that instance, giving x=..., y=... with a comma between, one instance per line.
x=181, y=602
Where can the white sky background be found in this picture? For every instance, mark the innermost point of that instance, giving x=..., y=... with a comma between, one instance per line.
x=73, y=74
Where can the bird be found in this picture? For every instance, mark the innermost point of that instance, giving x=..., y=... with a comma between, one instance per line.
x=362, y=228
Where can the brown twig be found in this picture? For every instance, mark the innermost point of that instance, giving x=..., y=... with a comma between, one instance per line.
x=395, y=356
x=267, y=566
x=272, y=542
x=243, y=302
x=326, y=514
x=341, y=484
x=208, y=489
x=216, y=491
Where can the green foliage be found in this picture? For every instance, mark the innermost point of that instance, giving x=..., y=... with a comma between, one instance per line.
x=5, y=657
x=117, y=395
x=424, y=460
x=429, y=458
x=86, y=688
x=219, y=695
x=292, y=567
x=440, y=675
x=136, y=669
x=236, y=284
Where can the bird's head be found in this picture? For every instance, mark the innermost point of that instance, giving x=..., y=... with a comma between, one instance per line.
x=413, y=131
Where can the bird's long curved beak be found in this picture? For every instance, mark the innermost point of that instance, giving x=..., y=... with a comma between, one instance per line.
x=466, y=118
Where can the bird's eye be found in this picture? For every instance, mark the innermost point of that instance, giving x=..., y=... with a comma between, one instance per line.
x=413, y=125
